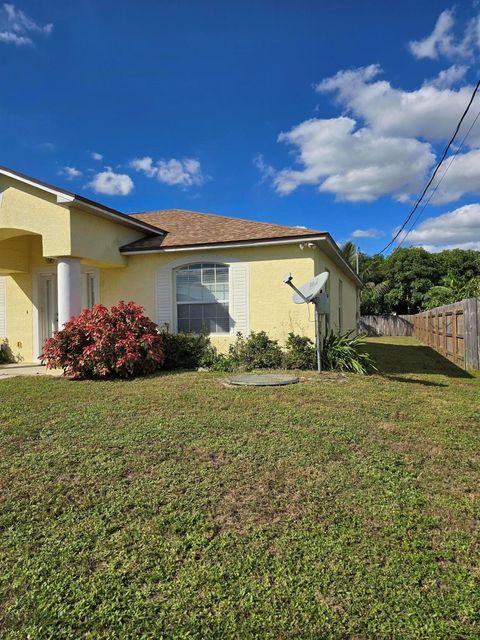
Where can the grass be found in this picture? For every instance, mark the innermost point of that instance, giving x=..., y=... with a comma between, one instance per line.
x=173, y=507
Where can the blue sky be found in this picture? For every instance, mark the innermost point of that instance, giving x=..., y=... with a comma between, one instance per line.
x=323, y=114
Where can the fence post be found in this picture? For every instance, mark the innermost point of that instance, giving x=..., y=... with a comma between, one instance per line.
x=454, y=336
x=444, y=333
x=472, y=336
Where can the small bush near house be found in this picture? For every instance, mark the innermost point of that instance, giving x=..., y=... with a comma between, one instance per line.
x=221, y=362
x=300, y=353
x=120, y=342
x=344, y=353
x=6, y=355
x=187, y=351
x=257, y=351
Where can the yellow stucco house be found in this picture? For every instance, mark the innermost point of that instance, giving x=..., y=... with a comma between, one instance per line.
x=60, y=252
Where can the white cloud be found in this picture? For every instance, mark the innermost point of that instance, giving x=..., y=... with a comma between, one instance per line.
x=145, y=165
x=71, y=172
x=429, y=112
x=442, y=40
x=386, y=139
x=463, y=177
x=439, y=40
x=266, y=170
x=355, y=164
x=17, y=28
x=112, y=184
x=183, y=173
x=8, y=37
x=96, y=156
x=367, y=233
x=45, y=146
x=436, y=248
x=447, y=78
x=457, y=229
x=384, y=148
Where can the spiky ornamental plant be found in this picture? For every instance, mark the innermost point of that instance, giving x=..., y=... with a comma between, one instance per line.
x=344, y=353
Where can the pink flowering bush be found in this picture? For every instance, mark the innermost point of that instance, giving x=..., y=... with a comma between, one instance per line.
x=120, y=342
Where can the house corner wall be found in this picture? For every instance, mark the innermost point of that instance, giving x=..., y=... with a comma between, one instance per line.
x=349, y=293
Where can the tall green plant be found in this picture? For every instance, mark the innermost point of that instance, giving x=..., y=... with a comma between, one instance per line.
x=187, y=350
x=345, y=353
x=471, y=289
x=451, y=290
x=349, y=252
x=257, y=351
x=412, y=273
x=6, y=355
x=300, y=353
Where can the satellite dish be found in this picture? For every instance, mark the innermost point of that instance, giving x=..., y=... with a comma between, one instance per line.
x=310, y=290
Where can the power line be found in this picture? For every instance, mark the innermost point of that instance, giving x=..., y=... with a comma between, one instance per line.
x=432, y=177
x=432, y=193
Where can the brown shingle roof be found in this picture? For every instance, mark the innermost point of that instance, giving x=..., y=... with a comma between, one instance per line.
x=189, y=228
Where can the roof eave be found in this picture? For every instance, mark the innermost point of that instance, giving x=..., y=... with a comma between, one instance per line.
x=322, y=237
x=120, y=218
x=129, y=248
x=341, y=260
x=69, y=199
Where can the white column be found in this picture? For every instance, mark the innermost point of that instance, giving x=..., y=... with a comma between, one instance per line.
x=69, y=280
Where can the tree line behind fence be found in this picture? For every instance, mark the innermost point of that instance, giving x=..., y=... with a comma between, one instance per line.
x=453, y=330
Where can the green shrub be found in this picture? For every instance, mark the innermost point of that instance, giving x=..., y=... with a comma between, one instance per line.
x=6, y=355
x=187, y=351
x=221, y=362
x=300, y=353
x=344, y=353
x=257, y=351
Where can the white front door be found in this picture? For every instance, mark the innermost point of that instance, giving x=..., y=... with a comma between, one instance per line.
x=47, y=306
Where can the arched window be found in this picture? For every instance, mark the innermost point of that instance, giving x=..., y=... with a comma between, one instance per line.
x=202, y=298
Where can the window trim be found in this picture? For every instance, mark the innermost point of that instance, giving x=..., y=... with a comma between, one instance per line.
x=94, y=272
x=222, y=334
x=165, y=307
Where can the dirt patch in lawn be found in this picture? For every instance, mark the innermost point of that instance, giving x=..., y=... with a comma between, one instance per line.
x=265, y=498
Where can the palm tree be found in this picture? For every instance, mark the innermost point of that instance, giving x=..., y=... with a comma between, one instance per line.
x=373, y=292
x=472, y=288
x=349, y=252
x=451, y=290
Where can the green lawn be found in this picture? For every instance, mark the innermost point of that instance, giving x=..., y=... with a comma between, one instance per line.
x=173, y=507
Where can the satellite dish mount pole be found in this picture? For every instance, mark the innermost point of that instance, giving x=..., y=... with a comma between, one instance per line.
x=318, y=334
x=312, y=292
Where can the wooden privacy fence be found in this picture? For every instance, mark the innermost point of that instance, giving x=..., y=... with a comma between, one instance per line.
x=387, y=325
x=453, y=330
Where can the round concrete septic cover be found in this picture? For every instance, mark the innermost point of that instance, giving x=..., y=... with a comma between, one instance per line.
x=262, y=380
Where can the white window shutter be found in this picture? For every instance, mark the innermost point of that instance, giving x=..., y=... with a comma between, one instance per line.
x=3, y=307
x=164, y=299
x=239, y=307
